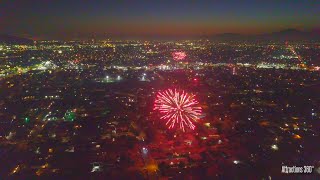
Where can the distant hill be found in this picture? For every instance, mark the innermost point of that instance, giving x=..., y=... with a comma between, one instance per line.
x=284, y=35
x=228, y=36
x=8, y=39
x=289, y=34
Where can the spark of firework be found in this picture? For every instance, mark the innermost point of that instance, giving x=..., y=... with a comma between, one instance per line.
x=178, y=56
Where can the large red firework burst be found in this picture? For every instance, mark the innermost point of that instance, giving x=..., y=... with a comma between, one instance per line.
x=178, y=107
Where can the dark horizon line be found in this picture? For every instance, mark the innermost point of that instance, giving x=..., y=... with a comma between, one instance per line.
x=101, y=36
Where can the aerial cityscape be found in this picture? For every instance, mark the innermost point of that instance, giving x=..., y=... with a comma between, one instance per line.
x=188, y=101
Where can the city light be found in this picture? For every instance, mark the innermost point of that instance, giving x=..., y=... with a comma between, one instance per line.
x=96, y=167
x=178, y=107
x=144, y=151
x=165, y=109
x=69, y=116
x=274, y=147
x=143, y=77
x=26, y=119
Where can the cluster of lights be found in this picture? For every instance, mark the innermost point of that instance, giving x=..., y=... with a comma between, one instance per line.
x=178, y=107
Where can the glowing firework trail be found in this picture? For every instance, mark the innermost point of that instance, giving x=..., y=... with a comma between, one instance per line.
x=177, y=107
x=178, y=56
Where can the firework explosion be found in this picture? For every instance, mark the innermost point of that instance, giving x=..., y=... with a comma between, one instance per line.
x=178, y=56
x=177, y=107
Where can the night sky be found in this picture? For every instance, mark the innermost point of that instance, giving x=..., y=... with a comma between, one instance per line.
x=69, y=18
